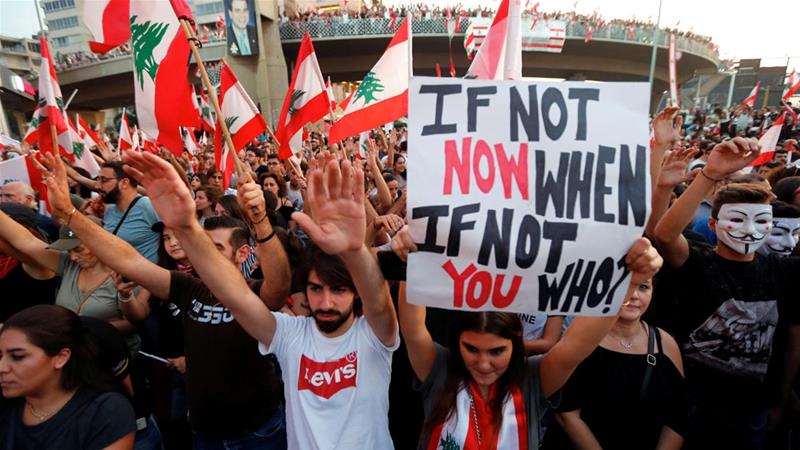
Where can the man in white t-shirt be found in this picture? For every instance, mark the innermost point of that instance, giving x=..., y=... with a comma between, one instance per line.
x=336, y=365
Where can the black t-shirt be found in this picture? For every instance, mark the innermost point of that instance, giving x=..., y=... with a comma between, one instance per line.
x=90, y=420
x=20, y=290
x=231, y=387
x=733, y=321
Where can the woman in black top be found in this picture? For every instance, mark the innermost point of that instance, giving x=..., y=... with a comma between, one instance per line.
x=60, y=396
x=608, y=404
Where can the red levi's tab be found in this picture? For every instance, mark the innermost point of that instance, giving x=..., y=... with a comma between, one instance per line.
x=325, y=379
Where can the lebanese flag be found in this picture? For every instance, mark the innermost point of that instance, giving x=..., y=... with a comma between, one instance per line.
x=500, y=55
x=22, y=169
x=125, y=141
x=793, y=83
x=88, y=135
x=768, y=141
x=459, y=429
x=82, y=156
x=209, y=122
x=189, y=142
x=109, y=23
x=331, y=98
x=243, y=119
x=161, y=64
x=51, y=103
x=306, y=100
x=673, y=72
x=751, y=99
x=32, y=134
x=382, y=95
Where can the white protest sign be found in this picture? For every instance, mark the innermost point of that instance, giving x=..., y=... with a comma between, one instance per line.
x=525, y=196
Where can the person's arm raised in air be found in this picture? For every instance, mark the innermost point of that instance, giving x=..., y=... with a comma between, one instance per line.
x=338, y=228
x=26, y=243
x=173, y=202
x=585, y=333
x=270, y=253
x=672, y=173
x=30, y=265
x=111, y=250
x=725, y=159
x=666, y=131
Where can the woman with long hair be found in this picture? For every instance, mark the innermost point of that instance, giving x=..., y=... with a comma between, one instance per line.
x=59, y=395
x=481, y=391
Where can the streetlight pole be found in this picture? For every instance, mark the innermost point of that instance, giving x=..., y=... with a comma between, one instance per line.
x=655, y=48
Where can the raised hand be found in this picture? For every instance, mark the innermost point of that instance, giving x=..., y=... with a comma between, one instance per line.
x=673, y=171
x=666, y=128
x=731, y=156
x=55, y=178
x=336, y=197
x=402, y=243
x=169, y=195
x=643, y=261
x=392, y=223
x=251, y=199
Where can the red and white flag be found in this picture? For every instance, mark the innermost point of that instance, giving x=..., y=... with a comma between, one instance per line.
x=51, y=103
x=768, y=141
x=792, y=85
x=32, y=133
x=382, y=95
x=86, y=133
x=331, y=98
x=161, y=65
x=81, y=155
x=207, y=114
x=306, y=100
x=750, y=100
x=189, y=141
x=109, y=23
x=673, y=72
x=125, y=141
x=242, y=118
x=500, y=55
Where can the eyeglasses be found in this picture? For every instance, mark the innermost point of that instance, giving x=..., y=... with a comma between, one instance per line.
x=217, y=177
x=103, y=179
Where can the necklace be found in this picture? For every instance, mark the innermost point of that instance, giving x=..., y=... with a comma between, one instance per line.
x=40, y=417
x=474, y=415
x=627, y=345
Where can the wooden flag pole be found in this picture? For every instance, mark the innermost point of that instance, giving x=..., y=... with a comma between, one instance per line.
x=212, y=96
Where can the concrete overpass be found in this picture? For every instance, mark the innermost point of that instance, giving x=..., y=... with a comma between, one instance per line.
x=346, y=50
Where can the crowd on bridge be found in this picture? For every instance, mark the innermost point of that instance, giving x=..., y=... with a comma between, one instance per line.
x=153, y=306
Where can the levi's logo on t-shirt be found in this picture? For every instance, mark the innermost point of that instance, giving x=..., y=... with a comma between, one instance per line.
x=325, y=379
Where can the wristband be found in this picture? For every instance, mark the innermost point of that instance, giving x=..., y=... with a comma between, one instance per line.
x=130, y=298
x=703, y=173
x=261, y=241
x=69, y=216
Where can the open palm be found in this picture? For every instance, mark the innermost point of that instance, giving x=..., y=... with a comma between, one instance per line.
x=169, y=195
x=336, y=200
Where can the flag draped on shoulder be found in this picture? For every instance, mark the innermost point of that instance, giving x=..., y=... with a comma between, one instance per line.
x=51, y=103
x=107, y=21
x=750, y=100
x=243, y=120
x=382, y=95
x=306, y=100
x=500, y=55
x=161, y=66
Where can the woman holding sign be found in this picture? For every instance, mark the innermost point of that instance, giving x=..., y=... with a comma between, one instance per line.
x=482, y=391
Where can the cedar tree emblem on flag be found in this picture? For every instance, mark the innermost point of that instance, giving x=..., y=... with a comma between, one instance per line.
x=368, y=87
x=296, y=95
x=145, y=38
x=229, y=121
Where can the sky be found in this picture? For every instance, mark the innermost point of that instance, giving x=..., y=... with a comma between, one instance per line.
x=741, y=31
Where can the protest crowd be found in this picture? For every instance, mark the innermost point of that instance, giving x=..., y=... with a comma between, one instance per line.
x=173, y=301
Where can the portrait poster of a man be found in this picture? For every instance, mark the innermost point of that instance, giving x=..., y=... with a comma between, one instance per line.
x=241, y=28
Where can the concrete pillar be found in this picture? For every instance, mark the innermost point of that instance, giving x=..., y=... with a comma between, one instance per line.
x=264, y=77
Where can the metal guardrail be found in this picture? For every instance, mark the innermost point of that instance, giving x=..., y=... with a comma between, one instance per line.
x=338, y=28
